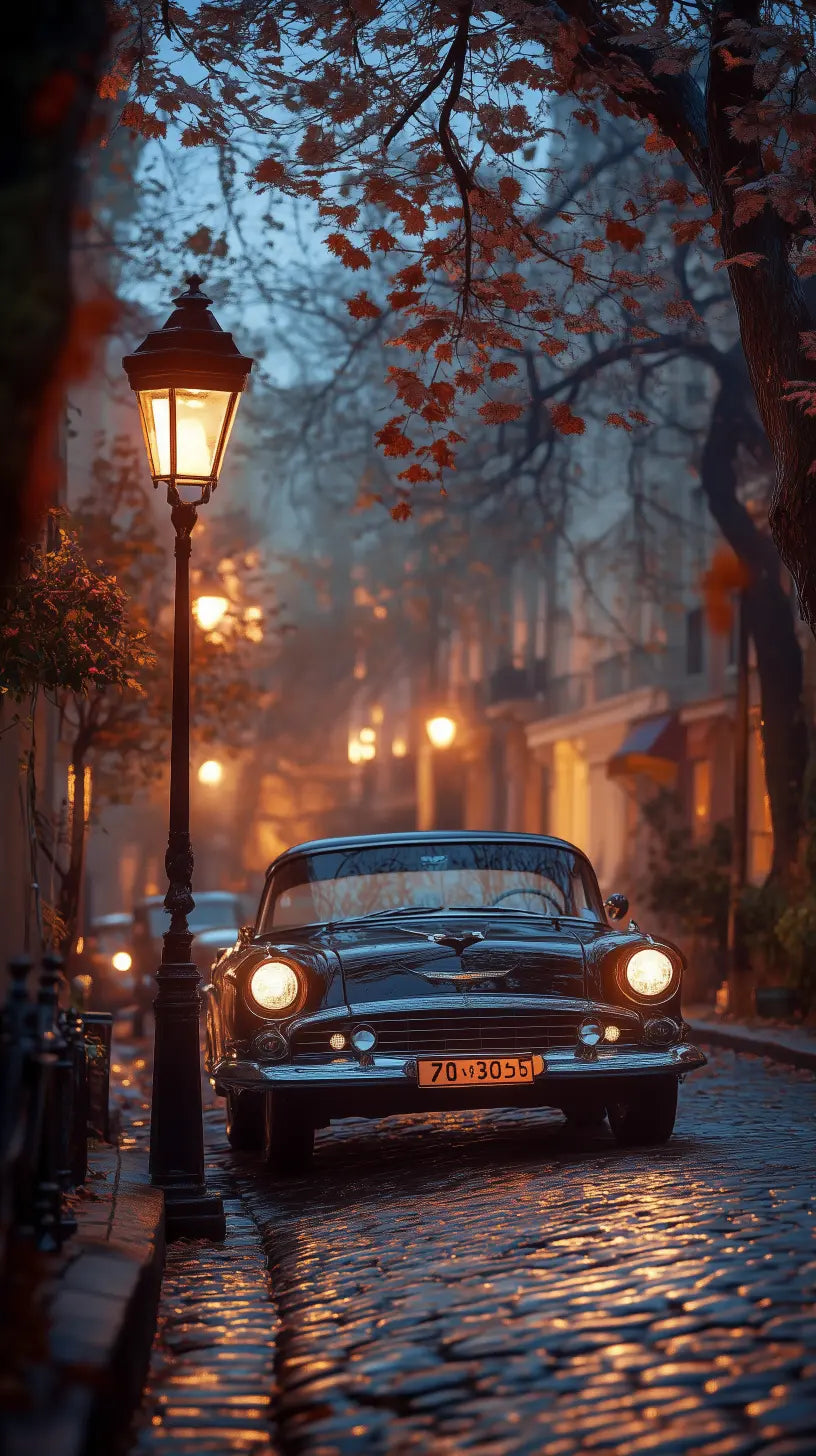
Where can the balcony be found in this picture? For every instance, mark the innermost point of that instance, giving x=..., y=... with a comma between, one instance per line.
x=510, y=683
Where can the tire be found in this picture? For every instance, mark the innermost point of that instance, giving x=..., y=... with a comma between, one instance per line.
x=647, y=1119
x=288, y=1140
x=245, y=1120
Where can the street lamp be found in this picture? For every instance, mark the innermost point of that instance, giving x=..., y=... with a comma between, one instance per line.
x=188, y=377
x=209, y=611
x=441, y=730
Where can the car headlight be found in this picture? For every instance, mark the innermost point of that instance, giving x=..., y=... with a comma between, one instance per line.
x=649, y=972
x=274, y=986
x=122, y=960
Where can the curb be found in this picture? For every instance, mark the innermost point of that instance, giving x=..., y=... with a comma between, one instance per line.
x=102, y=1321
x=757, y=1044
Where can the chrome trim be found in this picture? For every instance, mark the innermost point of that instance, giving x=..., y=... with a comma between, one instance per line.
x=580, y=1005
x=430, y=975
x=393, y=1070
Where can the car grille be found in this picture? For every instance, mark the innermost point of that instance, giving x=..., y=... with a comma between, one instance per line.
x=466, y=1031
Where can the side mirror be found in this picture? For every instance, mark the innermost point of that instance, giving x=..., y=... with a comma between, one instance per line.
x=616, y=907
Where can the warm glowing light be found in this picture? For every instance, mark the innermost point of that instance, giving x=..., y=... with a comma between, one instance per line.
x=380, y=612
x=274, y=985
x=377, y=714
x=122, y=961
x=337, y=1041
x=368, y=735
x=368, y=751
x=209, y=611
x=611, y=1033
x=86, y=789
x=399, y=748
x=441, y=730
x=649, y=972
x=355, y=751
x=211, y=772
x=80, y=945
x=200, y=430
x=253, y=614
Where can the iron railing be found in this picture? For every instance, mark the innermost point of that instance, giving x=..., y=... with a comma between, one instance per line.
x=45, y=1106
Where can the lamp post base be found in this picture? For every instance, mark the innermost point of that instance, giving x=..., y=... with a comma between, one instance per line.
x=194, y=1213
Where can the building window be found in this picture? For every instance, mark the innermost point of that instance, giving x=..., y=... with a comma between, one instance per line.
x=694, y=641
x=701, y=797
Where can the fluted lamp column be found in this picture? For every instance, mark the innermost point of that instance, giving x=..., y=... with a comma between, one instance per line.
x=188, y=377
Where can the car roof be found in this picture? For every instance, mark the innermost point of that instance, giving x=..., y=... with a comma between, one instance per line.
x=422, y=836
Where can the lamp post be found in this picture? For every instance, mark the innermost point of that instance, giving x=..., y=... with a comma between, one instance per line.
x=188, y=377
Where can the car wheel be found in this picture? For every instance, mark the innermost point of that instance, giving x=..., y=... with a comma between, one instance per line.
x=648, y=1118
x=245, y=1120
x=288, y=1137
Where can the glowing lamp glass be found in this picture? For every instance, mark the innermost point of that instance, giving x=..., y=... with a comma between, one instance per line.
x=611, y=1033
x=649, y=972
x=186, y=431
x=211, y=772
x=441, y=730
x=122, y=961
x=209, y=611
x=337, y=1041
x=274, y=986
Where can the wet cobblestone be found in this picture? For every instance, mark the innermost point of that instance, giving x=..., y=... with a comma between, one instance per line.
x=492, y=1283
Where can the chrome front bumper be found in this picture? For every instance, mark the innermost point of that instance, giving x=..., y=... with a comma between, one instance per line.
x=397, y=1071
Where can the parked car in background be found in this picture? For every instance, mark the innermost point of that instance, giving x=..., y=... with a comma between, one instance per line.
x=215, y=910
x=107, y=959
x=428, y=972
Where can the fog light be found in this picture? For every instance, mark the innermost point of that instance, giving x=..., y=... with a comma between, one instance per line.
x=363, y=1039
x=662, y=1029
x=611, y=1033
x=590, y=1033
x=270, y=1044
x=337, y=1041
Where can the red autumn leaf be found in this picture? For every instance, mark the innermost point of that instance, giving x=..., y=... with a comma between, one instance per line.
x=687, y=231
x=565, y=421
x=392, y=439
x=502, y=369
x=500, y=412
x=618, y=422
x=629, y=238
x=415, y=474
x=361, y=306
x=656, y=143
x=509, y=189
x=402, y=511
x=740, y=260
x=443, y=455
x=270, y=172
x=382, y=241
x=345, y=250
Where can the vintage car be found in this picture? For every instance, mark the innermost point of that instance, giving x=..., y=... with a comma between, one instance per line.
x=424, y=972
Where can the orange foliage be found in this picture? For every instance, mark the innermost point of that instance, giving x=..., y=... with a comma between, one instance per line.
x=725, y=576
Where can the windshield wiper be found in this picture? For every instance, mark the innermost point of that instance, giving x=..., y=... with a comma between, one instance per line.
x=397, y=910
x=509, y=910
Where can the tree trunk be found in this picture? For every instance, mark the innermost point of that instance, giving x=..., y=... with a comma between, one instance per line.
x=71, y=878
x=769, y=612
x=49, y=65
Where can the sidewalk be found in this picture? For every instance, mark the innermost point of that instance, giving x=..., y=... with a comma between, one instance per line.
x=91, y=1317
x=794, y=1045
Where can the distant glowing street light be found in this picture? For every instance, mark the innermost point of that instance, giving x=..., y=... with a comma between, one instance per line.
x=368, y=735
x=211, y=772
x=209, y=611
x=399, y=748
x=122, y=961
x=441, y=730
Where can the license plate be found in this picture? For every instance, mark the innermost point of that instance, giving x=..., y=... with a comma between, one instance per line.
x=470, y=1071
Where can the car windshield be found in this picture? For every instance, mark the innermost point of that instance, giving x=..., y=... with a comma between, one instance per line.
x=534, y=878
x=212, y=912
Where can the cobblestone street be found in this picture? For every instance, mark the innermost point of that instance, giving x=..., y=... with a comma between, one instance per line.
x=492, y=1282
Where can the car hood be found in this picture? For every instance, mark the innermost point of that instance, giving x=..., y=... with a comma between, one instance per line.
x=504, y=955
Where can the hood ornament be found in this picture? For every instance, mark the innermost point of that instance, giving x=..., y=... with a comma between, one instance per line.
x=457, y=940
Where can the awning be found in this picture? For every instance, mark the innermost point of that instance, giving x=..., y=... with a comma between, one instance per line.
x=652, y=747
